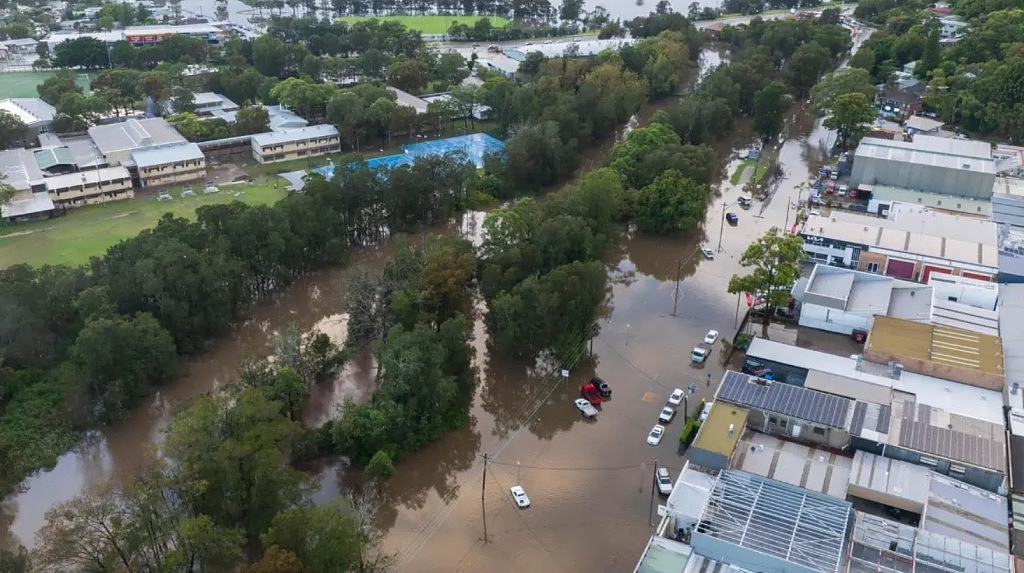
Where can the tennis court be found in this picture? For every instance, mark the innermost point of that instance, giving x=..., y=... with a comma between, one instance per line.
x=475, y=146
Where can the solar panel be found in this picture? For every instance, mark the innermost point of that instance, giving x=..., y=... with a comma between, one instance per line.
x=785, y=399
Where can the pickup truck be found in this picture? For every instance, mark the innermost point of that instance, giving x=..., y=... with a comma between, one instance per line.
x=602, y=387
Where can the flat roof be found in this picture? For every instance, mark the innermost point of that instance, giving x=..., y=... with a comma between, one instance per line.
x=721, y=431
x=880, y=233
x=814, y=469
x=19, y=169
x=292, y=135
x=133, y=134
x=1009, y=186
x=856, y=291
x=29, y=110
x=37, y=203
x=922, y=123
x=690, y=492
x=786, y=399
x=958, y=510
x=881, y=545
x=931, y=151
x=214, y=99
x=935, y=223
x=103, y=174
x=966, y=205
x=164, y=154
x=959, y=315
x=774, y=519
x=943, y=394
x=885, y=480
x=936, y=344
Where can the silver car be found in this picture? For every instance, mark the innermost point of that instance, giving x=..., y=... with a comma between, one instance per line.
x=585, y=407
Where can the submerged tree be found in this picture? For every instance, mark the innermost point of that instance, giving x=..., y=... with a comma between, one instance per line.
x=775, y=266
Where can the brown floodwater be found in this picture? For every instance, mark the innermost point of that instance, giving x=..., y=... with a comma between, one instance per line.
x=589, y=481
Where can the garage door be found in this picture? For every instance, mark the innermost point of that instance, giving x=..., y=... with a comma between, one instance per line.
x=899, y=269
x=928, y=270
x=977, y=276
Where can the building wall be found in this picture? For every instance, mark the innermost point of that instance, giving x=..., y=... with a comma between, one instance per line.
x=986, y=479
x=707, y=459
x=944, y=180
x=90, y=193
x=871, y=262
x=832, y=320
x=968, y=376
x=296, y=150
x=784, y=426
x=172, y=173
x=1008, y=209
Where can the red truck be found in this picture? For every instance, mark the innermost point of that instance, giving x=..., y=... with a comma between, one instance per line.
x=589, y=392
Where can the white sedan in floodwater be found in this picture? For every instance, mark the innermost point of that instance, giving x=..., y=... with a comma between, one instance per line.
x=519, y=496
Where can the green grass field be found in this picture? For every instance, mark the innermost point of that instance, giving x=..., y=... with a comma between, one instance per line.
x=430, y=24
x=23, y=84
x=89, y=231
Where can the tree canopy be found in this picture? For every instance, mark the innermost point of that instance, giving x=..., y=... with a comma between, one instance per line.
x=774, y=263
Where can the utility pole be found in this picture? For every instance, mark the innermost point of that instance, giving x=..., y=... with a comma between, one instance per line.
x=483, y=506
x=650, y=512
x=679, y=276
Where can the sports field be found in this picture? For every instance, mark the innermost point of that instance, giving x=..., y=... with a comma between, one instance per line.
x=430, y=24
x=89, y=231
x=23, y=84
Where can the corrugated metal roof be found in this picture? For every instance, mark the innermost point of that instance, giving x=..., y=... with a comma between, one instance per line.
x=54, y=156
x=293, y=135
x=166, y=154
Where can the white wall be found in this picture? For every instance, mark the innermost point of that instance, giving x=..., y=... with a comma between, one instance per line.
x=964, y=292
x=832, y=320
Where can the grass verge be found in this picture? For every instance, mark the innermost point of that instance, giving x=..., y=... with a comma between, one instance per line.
x=89, y=231
x=430, y=24
x=736, y=175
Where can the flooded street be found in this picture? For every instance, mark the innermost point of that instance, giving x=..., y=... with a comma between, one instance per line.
x=589, y=481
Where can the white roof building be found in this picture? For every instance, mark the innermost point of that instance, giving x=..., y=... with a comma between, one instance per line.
x=32, y=111
x=117, y=141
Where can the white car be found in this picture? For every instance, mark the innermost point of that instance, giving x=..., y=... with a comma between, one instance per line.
x=711, y=337
x=676, y=397
x=654, y=438
x=519, y=496
x=698, y=355
x=666, y=415
x=664, y=481
x=708, y=253
x=585, y=407
x=705, y=411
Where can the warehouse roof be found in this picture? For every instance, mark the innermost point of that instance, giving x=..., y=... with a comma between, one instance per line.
x=165, y=154
x=19, y=169
x=931, y=151
x=943, y=394
x=960, y=204
x=19, y=207
x=922, y=123
x=968, y=440
x=981, y=250
x=884, y=480
x=943, y=345
x=30, y=110
x=133, y=134
x=774, y=519
x=786, y=399
x=956, y=509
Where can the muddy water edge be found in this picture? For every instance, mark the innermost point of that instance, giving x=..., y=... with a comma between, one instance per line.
x=523, y=421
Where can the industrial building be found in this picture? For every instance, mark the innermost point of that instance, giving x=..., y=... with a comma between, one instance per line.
x=910, y=244
x=946, y=166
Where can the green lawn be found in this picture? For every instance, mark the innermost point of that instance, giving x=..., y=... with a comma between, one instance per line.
x=23, y=84
x=89, y=231
x=430, y=24
x=735, y=178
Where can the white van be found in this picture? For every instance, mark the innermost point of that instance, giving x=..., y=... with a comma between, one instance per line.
x=707, y=410
x=698, y=355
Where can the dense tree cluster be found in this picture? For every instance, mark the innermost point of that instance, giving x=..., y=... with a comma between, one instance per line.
x=80, y=345
x=972, y=84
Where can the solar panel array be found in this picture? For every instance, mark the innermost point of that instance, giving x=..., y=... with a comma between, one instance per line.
x=785, y=399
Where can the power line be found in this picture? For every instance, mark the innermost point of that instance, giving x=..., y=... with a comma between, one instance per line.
x=527, y=526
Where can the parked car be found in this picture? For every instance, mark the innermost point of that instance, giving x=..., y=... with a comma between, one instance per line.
x=591, y=394
x=519, y=496
x=585, y=407
x=654, y=438
x=843, y=189
x=744, y=201
x=602, y=387
x=698, y=355
x=711, y=337
x=732, y=218
x=676, y=397
x=664, y=481
x=708, y=253
x=705, y=411
x=666, y=415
